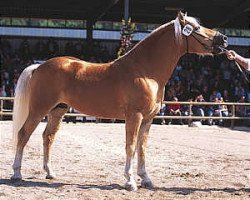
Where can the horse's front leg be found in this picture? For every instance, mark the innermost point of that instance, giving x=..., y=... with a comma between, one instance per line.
x=141, y=150
x=133, y=123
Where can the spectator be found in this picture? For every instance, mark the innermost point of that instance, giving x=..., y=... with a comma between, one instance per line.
x=210, y=113
x=162, y=113
x=194, y=74
x=205, y=91
x=175, y=110
x=226, y=96
x=241, y=110
x=226, y=75
x=221, y=110
x=52, y=48
x=248, y=94
x=213, y=96
x=3, y=92
x=187, y=111
x=25, y=50
x=199, y=110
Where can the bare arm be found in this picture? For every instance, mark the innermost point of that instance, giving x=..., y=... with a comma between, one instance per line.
x=244, y=62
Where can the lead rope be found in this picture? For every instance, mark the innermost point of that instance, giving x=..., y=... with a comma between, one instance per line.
x=239, y=67
x=244, y=74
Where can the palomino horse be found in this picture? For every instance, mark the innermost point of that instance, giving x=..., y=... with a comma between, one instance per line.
x=129, y=88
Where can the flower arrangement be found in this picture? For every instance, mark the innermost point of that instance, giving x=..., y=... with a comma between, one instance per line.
x=126, y=36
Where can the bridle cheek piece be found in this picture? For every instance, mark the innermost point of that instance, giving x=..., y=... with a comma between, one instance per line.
x=188, y=30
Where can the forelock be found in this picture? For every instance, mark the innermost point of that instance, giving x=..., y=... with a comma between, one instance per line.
x=193, y=20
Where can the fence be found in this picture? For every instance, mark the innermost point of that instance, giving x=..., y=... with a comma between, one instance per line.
x=232, y=116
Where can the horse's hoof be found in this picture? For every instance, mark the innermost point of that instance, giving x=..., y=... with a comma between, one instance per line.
x=147, y=184
x=50, y=176
x=15, y=178
x=129, y=186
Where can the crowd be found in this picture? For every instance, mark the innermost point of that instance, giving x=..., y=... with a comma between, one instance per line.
x=207, y=79
x=196, y=78
x=14, y=59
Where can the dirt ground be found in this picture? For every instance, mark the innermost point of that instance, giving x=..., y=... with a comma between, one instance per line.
x=88, y=158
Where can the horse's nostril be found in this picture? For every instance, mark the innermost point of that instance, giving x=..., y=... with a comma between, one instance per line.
x=220, y=40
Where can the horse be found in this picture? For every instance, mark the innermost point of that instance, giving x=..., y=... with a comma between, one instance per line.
x=130, y=88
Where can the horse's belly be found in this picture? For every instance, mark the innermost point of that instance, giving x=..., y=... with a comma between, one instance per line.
x=104, y=111
x=98, y=104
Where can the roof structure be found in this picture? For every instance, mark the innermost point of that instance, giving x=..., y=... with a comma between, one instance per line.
x=212, y=13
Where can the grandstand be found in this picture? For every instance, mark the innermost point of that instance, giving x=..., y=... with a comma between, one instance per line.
x=90, y=30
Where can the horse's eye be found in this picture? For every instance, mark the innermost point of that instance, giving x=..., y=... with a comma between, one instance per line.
x=197, y=28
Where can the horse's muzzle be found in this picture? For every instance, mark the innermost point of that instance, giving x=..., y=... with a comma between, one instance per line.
x=219, y=40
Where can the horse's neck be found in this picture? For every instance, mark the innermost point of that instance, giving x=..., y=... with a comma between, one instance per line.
x=156, y=56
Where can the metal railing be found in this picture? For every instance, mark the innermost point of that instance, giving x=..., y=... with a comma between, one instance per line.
x=232, y=116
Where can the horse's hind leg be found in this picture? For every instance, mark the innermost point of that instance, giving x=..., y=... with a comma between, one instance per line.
x=54, y=119
x=22, y=139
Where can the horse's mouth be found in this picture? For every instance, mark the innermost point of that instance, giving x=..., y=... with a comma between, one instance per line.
x=218, y=49
x=219, y=43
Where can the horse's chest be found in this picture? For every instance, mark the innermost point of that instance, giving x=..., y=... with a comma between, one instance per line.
x=153, y=97
x=153, y=89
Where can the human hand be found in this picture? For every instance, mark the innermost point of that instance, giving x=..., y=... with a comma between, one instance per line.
x=231, y=55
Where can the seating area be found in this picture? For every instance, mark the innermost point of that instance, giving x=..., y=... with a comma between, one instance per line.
x=196, y=78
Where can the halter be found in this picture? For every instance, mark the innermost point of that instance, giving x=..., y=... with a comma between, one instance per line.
x=188, y=30
x=203, y=44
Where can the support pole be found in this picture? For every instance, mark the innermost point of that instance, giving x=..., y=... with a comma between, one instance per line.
x=89, y=31
x=126, y=11
x=233, y=115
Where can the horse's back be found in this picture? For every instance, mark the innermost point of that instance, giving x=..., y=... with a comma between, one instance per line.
x=103, y=90
x=91, y=88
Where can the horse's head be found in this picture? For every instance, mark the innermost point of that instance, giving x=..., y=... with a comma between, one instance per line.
x=198, y=38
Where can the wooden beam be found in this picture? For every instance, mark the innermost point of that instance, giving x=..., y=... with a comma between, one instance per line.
x=96, y=14
x=241, y=8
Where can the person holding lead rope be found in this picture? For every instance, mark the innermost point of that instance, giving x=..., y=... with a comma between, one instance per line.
x=244, y=62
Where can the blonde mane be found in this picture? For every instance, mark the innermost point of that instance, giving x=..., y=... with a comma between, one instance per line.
x=177, y=27
x=177, y=30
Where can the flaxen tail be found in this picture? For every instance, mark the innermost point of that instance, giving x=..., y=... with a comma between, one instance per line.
x=21, y=101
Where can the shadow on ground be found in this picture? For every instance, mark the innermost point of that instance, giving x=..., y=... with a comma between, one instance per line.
x=177, y=190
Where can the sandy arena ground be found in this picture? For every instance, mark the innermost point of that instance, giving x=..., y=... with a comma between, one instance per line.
x=88, y=158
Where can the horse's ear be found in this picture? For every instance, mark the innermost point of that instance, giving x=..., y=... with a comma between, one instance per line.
x=182, y=17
